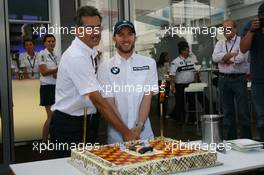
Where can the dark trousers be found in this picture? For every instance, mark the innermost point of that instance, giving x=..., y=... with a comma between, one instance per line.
x=178, y=111
x=235, y=89
x=68, y=130
x=258, y=100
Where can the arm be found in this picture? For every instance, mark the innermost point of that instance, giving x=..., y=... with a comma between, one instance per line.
x=246, y=42
x=110, y=115
x=173, y=69
x=111, y=101
x=241, y=57
x=43, y=66
x=249, y=32
x=172, y=84
x=23, y=67
x=143, y=114
x=220, y=56
x=45, y=71
x=25, y=73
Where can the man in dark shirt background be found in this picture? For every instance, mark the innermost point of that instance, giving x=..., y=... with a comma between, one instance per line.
x=253, y=40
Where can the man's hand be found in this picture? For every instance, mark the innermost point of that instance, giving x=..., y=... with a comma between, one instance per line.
x=130, y=135
x=137, y=131
x=255, y=24
x=228, y=56
x=172, y=88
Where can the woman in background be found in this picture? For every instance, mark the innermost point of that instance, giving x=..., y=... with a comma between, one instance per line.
x=48, y=67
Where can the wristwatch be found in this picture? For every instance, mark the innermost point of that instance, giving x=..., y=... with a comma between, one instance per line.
x=140, y=124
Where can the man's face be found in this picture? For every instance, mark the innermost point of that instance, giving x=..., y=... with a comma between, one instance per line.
x=29, y=46
x=229, y=30
x=125, y=40
x=90, y=31
x=185, y=53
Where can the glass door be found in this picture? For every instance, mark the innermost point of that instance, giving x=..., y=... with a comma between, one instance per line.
x=109, y=12
x=6, y=129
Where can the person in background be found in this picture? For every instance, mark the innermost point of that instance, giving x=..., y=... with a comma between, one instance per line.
x=233, y=67
x=48, y=67
x=163, y=69
x=253, y=41
x=28, y=61
x=181, y=75
x=128, y=69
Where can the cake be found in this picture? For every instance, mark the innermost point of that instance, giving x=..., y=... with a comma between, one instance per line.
x=159, y=156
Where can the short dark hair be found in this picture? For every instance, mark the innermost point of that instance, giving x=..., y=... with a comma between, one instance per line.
x=48, y=36
x=182, y=46
x=28, y=40
x=86, y=11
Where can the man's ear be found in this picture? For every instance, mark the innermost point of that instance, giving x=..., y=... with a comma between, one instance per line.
x=114, y=39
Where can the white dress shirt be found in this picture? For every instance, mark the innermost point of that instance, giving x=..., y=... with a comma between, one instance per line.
x=76, y=77
x=240, y=62
x=52, y=62
x=128, y=79
x=182, y=69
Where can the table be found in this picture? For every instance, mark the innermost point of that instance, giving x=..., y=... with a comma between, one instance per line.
x=209, y=71
x=234, y=161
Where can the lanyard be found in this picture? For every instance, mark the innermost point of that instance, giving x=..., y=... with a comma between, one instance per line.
x=231, y=46
x=32, y=65
x=53, y=59
x=94, y=62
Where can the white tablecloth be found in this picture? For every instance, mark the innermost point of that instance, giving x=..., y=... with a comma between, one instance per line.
x=233, y=161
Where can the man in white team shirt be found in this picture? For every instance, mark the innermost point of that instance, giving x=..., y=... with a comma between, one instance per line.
x=77, y=86
x=28, y=61
x=137, y=80
x=181, y=74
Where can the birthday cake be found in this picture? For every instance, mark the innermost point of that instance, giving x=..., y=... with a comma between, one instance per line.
x=155, y=156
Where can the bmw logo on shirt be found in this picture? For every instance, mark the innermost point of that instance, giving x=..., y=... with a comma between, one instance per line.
x=115, y=70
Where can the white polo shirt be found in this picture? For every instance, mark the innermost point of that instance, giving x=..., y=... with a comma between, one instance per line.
x=125, y=80
x=76, y=77
x=31, y=64
x=51, y=62
x=183, y=69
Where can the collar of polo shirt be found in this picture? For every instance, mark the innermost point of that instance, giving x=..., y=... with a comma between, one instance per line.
x=91, y=51
x=233, y=39
x=130, y=59
x=27, y=55
x=47, y=51
x=182, y=58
